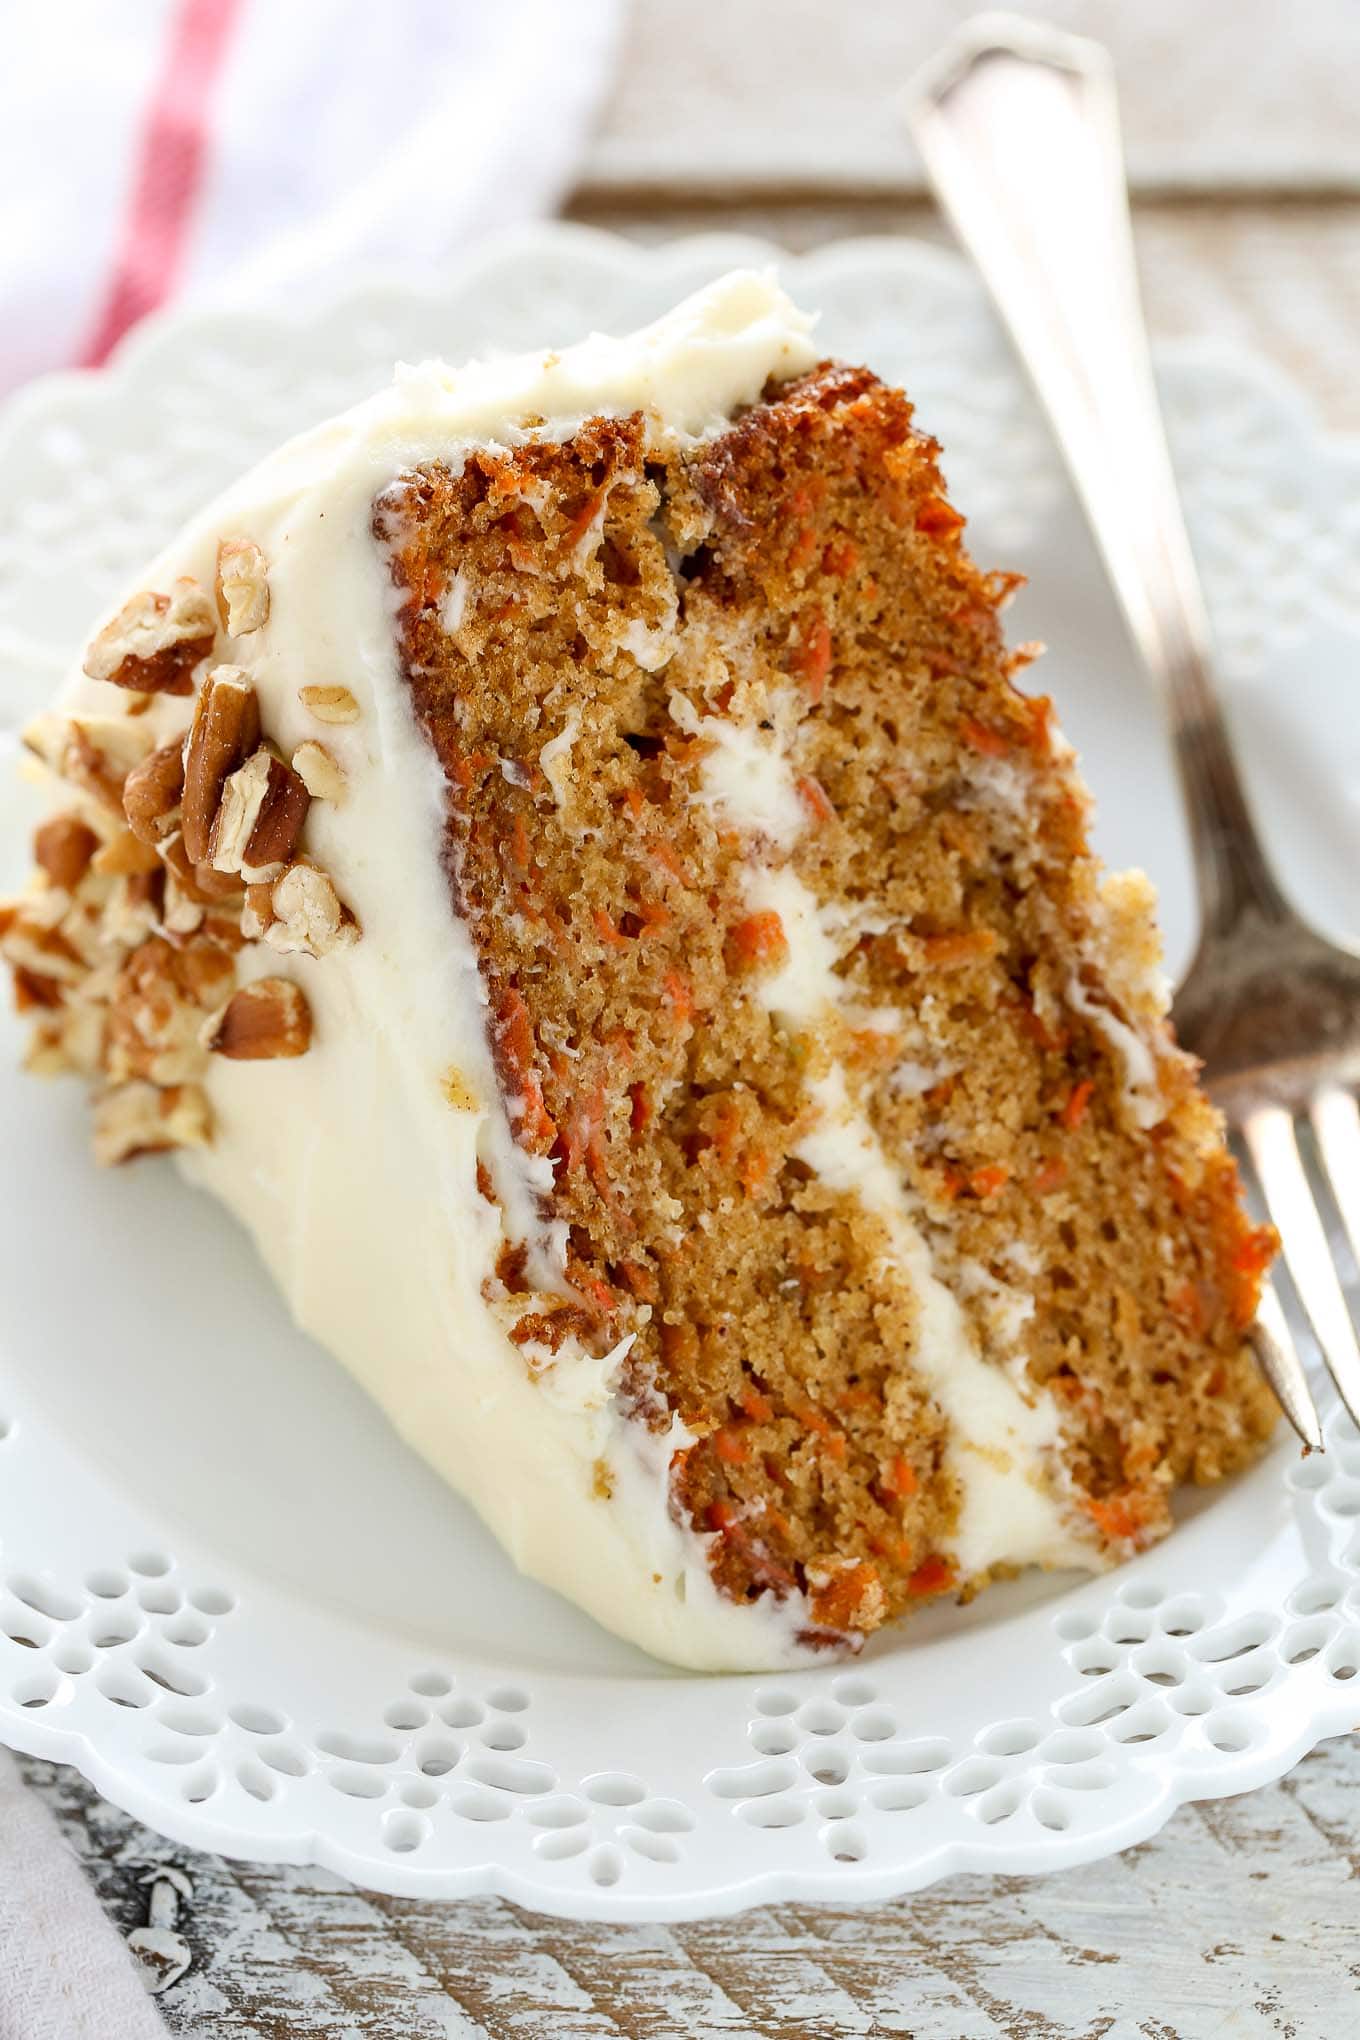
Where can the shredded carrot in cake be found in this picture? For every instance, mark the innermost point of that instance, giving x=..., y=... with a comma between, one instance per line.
x=731, y=1447
x=606, y=930
x=1187, y=1304
x=980, y=737
x=760, y=939
x=969, y=945
x=842, y=1600
x=812, y=659
x=814, y=797
x=680, y=995
x=900, y=1478
x=804, y=547
x=1077, y=1104
x=580, y=522
x=1120, y=1517
x=932, y=1576
x=938, y=517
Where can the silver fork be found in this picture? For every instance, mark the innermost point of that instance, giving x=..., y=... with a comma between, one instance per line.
x=1019, y=129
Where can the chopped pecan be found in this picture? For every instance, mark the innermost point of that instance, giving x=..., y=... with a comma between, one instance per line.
x=83, y=923
x=458, y=1091
x=45, y=1056
x=123, y=855
x=33, y=991
x=63, y=847
x=181, y=913
x=89, y=767
x=94, y=752
x=151, y=793
x=134, y=908
x=155, y=641
x=266, y=1019
x=140, y=1119
x=319, y=773
x=157, y=1009
x=329, y=704
x=199, y=882
x=242, y=586
x=224, y=732
x=308, y=914
x=70, y=1042
x=264, y=804
x=258, y=911
x=27, y=943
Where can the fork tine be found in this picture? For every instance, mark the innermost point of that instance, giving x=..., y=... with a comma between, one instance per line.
x=1278, y=1358
x=1273, y=1145
x=1336, y=1122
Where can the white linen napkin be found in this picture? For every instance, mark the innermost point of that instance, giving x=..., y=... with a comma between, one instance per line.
x=240, y=150
x=195, y=148
x=64, y=1973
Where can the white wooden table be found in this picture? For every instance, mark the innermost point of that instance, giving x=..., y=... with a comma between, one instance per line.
x=1243, y=1917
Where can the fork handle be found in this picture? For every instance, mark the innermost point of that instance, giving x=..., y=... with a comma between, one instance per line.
x=1019, y=128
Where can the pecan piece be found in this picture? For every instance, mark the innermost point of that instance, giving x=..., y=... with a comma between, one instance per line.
x=319, y=773
x=124, y=855
x=151, y=793
x=181, y=913
x=90, y=768
x=157, y=1010
x=63, y=847
x=258, y=911
x=95, y=753
x=329, y=704
x=139, y=1119
x=182, y=901
x=308, y=914
x=33, y=991
x=224, y=732
x=134, y=908
x=155, y=641
x=44, y=952
x=266, y=1019
x=118, y=740
x=198, y=882
x=70, y=1042
x=242, y=586
x=264, y=804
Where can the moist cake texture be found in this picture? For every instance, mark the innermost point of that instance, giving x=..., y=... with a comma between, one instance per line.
x=624, y=941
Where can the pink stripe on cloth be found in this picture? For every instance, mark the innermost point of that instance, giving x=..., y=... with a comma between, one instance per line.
x=171, y=158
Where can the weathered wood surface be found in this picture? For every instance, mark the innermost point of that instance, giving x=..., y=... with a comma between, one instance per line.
x=757, y=96
x=1241, y=1919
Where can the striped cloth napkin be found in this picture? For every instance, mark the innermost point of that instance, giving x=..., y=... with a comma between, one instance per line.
x=241, y=151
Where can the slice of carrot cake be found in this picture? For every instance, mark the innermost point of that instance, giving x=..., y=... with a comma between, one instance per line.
x=561, y=852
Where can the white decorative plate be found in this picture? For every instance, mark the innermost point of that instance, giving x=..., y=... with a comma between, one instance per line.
x=256, y=1622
